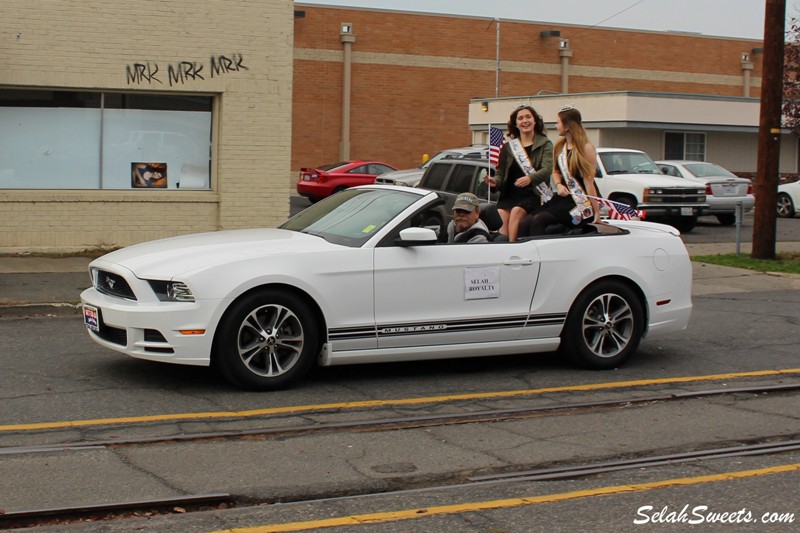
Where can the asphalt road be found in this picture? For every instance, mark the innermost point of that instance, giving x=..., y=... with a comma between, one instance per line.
x=52, y=373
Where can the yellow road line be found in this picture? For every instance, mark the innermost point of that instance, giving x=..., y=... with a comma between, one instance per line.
x=409, y=514
x=388, y=403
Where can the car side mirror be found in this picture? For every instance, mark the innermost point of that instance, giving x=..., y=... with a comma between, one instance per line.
x=416, y=237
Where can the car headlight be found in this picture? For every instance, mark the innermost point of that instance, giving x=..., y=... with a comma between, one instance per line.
x=171, y=291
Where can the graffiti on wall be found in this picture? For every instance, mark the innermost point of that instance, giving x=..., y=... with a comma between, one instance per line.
x=183, y=72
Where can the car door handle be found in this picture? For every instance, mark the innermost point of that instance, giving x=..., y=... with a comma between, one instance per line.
x=517, y=261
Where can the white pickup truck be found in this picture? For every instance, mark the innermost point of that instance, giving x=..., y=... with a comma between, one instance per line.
x=631, y=177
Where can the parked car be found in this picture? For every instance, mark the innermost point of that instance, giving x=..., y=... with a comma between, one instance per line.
x=451, y=177
x=724, y=189
x=632, y=178
x=354, y=279
x=411, y=177
x=320, y=182
x=789, y=199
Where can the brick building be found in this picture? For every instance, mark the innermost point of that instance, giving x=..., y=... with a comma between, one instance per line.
x=413, y=75
x=233, y=97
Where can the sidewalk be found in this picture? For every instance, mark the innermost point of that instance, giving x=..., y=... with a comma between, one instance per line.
x=52, y=285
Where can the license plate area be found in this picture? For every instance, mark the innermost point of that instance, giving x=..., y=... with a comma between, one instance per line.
x=687, y=211
x=91, y=317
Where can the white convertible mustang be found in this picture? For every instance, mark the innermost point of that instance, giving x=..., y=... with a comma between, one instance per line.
x=355, y=279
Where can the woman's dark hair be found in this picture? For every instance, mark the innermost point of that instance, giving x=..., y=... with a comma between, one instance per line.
x=538, y=128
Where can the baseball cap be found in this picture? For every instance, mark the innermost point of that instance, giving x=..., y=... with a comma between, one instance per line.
x=467, y=202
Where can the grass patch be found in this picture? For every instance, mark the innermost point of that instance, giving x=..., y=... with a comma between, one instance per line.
x=784, y=262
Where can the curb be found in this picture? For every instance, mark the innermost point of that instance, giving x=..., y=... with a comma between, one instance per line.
x=39, y=309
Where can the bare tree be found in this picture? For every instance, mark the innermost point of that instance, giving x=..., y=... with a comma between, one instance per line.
x=791, y=78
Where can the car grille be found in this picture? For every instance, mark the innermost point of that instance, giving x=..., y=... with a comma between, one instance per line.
x=110, y=333
x=113, y=285
x=675, y=196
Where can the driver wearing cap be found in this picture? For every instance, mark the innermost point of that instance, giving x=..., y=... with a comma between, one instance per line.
x=466, y=225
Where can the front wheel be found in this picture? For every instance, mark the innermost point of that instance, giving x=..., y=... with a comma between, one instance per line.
x=266, y=341
x=604, y=326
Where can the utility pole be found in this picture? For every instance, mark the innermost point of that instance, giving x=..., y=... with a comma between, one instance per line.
x=769, y=132
x=497, y=60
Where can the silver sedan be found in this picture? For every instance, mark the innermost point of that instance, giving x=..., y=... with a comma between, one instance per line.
x=724, y=189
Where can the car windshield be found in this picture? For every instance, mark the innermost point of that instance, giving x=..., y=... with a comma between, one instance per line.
x=628, y=163
x=702, y=170
x=352, y=216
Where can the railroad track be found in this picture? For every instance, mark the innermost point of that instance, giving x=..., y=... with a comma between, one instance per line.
x=187, y=503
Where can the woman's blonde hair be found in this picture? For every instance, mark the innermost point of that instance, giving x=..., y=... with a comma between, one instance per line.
x=576, y=160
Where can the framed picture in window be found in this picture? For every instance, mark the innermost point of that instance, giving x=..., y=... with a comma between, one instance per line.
x=149, y=175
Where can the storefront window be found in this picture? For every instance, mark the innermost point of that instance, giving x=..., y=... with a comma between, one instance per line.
x=79, y=140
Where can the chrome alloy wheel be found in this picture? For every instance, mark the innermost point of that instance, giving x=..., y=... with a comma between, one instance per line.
x=607, y=325
x=785, y=206
x=270, y=340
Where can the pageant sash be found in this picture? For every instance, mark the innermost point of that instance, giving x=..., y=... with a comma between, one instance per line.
x=524, y=162
x=583, y=207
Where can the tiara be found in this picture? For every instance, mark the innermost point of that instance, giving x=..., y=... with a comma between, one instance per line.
x=566, y=107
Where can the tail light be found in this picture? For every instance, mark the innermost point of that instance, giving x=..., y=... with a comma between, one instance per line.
x=308, y=175
x=750, y=188
x=708, y=191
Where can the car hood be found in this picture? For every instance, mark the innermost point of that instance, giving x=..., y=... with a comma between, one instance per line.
x=180, y=256
x=650, y=180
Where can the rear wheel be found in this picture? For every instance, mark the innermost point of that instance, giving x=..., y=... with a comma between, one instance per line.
x=266, y=341
x=785, y=205
x=727, y=219
x=604, y=326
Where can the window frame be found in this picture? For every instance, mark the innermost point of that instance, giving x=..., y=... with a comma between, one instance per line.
x=686, y=141
x=108, y=122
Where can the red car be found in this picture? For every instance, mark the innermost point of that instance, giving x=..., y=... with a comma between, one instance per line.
x=318, y=183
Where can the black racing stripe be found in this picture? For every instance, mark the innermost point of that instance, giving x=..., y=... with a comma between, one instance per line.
x=456, y=326
x=457, y=323
x=352, y=333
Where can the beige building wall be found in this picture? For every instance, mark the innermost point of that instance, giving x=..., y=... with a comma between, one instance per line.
x=86, y=45
x=638, y=120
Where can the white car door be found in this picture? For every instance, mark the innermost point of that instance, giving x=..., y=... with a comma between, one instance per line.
x=453, y=293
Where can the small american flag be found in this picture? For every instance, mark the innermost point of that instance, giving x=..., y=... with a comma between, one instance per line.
x=619, y=211
x=496, y=142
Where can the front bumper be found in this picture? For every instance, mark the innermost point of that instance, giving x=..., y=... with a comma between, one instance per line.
x=656, y=210
x=718, y=205
x=153, y=330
